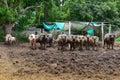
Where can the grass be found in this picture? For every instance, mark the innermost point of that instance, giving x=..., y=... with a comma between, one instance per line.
x=117, y=39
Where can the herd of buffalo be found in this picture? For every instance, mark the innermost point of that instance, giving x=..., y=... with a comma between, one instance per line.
x=63, y=41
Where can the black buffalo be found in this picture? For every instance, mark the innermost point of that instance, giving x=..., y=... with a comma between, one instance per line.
x=109, y=40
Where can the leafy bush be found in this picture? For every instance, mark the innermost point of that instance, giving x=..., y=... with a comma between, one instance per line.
x=1, y=34
x=117, y=39
x=25, y=21
x=20, y=37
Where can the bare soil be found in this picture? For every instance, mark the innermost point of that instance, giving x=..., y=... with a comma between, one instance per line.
x=19, y=62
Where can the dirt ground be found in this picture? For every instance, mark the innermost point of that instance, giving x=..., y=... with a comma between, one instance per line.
x=19, y=62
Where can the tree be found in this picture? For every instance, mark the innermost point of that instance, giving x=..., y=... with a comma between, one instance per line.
x=23, y=13
x=8, y=15
x=12, y=10
x=94, y=10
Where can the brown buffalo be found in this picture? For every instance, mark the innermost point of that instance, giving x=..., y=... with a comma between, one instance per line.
x=73, y=41
x=32, y=41
x=87, y=42
x=91, y=42
x=61, y=41
x=81, y=40
x=94, y=42
x=42, y=39
x=50, y=40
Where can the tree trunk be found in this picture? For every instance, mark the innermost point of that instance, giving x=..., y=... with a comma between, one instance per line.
x=5, y=2
x=8, y=28
x=45, y=11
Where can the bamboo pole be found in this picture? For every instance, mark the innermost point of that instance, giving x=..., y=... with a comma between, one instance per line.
x=102, y=30
x=69, y=28
x=69, y=31
x=109, y=28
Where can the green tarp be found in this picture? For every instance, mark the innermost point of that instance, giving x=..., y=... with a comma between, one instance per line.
x=56, y=25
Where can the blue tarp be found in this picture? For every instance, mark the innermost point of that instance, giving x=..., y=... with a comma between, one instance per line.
x=90, y=31
x=48, y=27
x=59, y=25
x=56, y=25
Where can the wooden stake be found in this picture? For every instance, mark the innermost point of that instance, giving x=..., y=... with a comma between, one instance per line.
x=109, y=28
x=102, y=29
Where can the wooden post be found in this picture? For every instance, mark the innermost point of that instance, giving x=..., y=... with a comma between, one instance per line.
x=69, y=32
x=102, y=30
x=109, y=28
x=69, y=28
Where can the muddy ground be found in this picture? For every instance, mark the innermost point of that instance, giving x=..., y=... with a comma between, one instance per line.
x=19, y=62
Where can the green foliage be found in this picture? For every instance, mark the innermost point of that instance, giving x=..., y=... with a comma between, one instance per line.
x=88, y=10
x=78, y=30
x=7, y=14
x=57, y=12
x=25, y=21
x=2, y=35
x=106, y=29
x=20, y=37
x=117, y=39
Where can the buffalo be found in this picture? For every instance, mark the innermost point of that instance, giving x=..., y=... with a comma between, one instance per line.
x=32, y=41
x=73, y=40
x=91, y=42
x=94, y=42
x=87, y=42
x=109, y=40
x=9, y=39
x=81, y=40
x=61, y=41
x=42, y=39
x=50, y=40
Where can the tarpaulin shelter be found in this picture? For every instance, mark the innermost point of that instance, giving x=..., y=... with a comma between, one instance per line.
x=55, y=25
x=90, y=31
x=89, y=27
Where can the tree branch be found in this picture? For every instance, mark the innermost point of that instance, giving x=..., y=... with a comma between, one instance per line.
x=29, y=7
x=23, y=11
x=5, y=2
